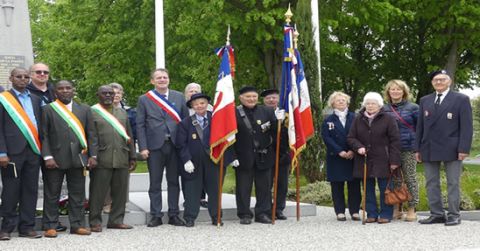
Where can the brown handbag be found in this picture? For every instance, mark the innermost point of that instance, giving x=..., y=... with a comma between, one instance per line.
x=396, y=195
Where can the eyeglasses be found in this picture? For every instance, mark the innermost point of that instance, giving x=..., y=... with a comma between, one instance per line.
x=42, y=72
x=22, y=77
x=439, y=79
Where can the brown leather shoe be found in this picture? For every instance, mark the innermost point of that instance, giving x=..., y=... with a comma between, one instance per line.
x=4, y=236
x=31, y=234
x=80, y=231
x=50, y=233
x=96, y=228
x=383, y=221
x=371, y=220
x=119, y=226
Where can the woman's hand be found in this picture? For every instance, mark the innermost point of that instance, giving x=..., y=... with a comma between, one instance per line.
x=361, y=151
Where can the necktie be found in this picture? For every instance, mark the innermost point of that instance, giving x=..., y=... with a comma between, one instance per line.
x=437, y=102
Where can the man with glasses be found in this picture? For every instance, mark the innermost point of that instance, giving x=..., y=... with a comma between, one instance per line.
x=444, y=134
x=20, y=116
x=39, y=85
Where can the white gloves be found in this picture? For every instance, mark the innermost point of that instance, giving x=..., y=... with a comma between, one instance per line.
x=280, y=114
x=235, y=163
x=189, y=167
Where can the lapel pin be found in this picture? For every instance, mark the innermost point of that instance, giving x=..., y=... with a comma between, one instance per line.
x=449, y=115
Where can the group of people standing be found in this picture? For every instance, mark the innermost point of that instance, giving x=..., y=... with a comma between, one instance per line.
x=41, y=125
x=382, y=138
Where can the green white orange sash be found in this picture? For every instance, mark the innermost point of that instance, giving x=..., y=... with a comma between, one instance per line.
x=72, y=122
x=112, y=121
x=21, y=119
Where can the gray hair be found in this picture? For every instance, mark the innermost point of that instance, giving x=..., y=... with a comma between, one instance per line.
x=373, y=96
x=116, y=86
x=192, y=85
x=335, y=94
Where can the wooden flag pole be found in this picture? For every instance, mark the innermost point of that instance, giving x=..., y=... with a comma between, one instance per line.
x=220, y=188
x=298, y=188
x=364, y=204
x=275, y=179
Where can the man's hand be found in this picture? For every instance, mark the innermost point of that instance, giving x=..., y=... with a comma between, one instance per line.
x=51, y=163
x=92, y=163
x=343, y=154
x=235, y=163
x=462, y=156
x=280, y=114
x=189, y=167
x=132, y=165
x=350, y=154
x=361, y=151
x=145, y=153
x=418, y=157
x=4, y=161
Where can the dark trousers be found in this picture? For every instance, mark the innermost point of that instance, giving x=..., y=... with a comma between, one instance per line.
x=100, y=180
x=385, y=211
x=244, y=177
x=338, y=196
x=21, y=191
x=52, y=187
x=206, y=177
x=282, y=188
x=159, y=160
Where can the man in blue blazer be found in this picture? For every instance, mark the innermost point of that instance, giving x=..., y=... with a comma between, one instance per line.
x=19, y=158
x=444, y=134
x=159, y=112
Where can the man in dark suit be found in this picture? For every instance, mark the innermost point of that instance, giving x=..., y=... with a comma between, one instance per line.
x=271, y=98
x=19, y=156
x=68, y=138
x=158, y=113
x=116, y=157
x=444, y=134
x=256, y=126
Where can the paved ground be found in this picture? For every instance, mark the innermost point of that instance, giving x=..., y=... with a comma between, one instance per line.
x=321, y=232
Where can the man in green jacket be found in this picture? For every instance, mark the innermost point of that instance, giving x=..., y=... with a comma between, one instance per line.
x=115, y=157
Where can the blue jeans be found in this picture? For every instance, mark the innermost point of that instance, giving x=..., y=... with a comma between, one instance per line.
x=385, y=211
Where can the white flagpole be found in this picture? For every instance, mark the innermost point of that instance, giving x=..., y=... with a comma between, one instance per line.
x=316, y=38
x=159, y=37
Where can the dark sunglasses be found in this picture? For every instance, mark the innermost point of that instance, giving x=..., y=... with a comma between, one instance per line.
x=22, y=77
x=42, y=72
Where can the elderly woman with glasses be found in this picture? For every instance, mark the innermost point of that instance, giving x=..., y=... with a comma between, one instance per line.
x=340, y=157
x=375, y=139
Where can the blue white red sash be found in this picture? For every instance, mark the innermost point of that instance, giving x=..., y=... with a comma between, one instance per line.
x=164, y=104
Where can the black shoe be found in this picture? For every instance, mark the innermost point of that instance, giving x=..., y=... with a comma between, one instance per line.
x=263, y=219
x=280, y=216
x=4, y=236
x=155, y=222
x=214, y=222
x=453, y=221
x=204, y=203
x=432, y=220
x=30, y=234
x=60, y=228
x=245, y=221
x=176, y=221
x=188, y=223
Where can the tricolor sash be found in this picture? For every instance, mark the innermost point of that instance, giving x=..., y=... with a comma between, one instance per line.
x=164, y=104
x=112, y=121
x=72, y=122
x=21, y=119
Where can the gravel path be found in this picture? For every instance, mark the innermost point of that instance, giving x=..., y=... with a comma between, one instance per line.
x=321, y=232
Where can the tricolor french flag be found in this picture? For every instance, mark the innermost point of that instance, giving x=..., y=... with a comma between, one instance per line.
x=224, y=122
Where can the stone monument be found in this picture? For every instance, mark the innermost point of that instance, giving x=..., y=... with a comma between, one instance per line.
x=15, y=38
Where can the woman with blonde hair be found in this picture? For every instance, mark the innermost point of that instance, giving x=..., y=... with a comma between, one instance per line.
x=340, y=157
x=405, y=113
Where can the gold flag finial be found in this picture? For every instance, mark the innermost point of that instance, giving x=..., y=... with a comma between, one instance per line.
x=288, y=15
x=295, y=37
x=228, y=36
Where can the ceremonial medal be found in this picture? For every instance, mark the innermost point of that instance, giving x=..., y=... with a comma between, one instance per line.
x=194, y=136
x=449, y=115
x=331, y=125
x=426, y=113
x=259, y=122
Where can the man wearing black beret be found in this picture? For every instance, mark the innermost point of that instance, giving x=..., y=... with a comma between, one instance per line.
x=271, y=98
x=444, y=134
x=255, y=152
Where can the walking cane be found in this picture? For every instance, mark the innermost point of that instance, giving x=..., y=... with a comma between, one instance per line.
x=364, y=204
